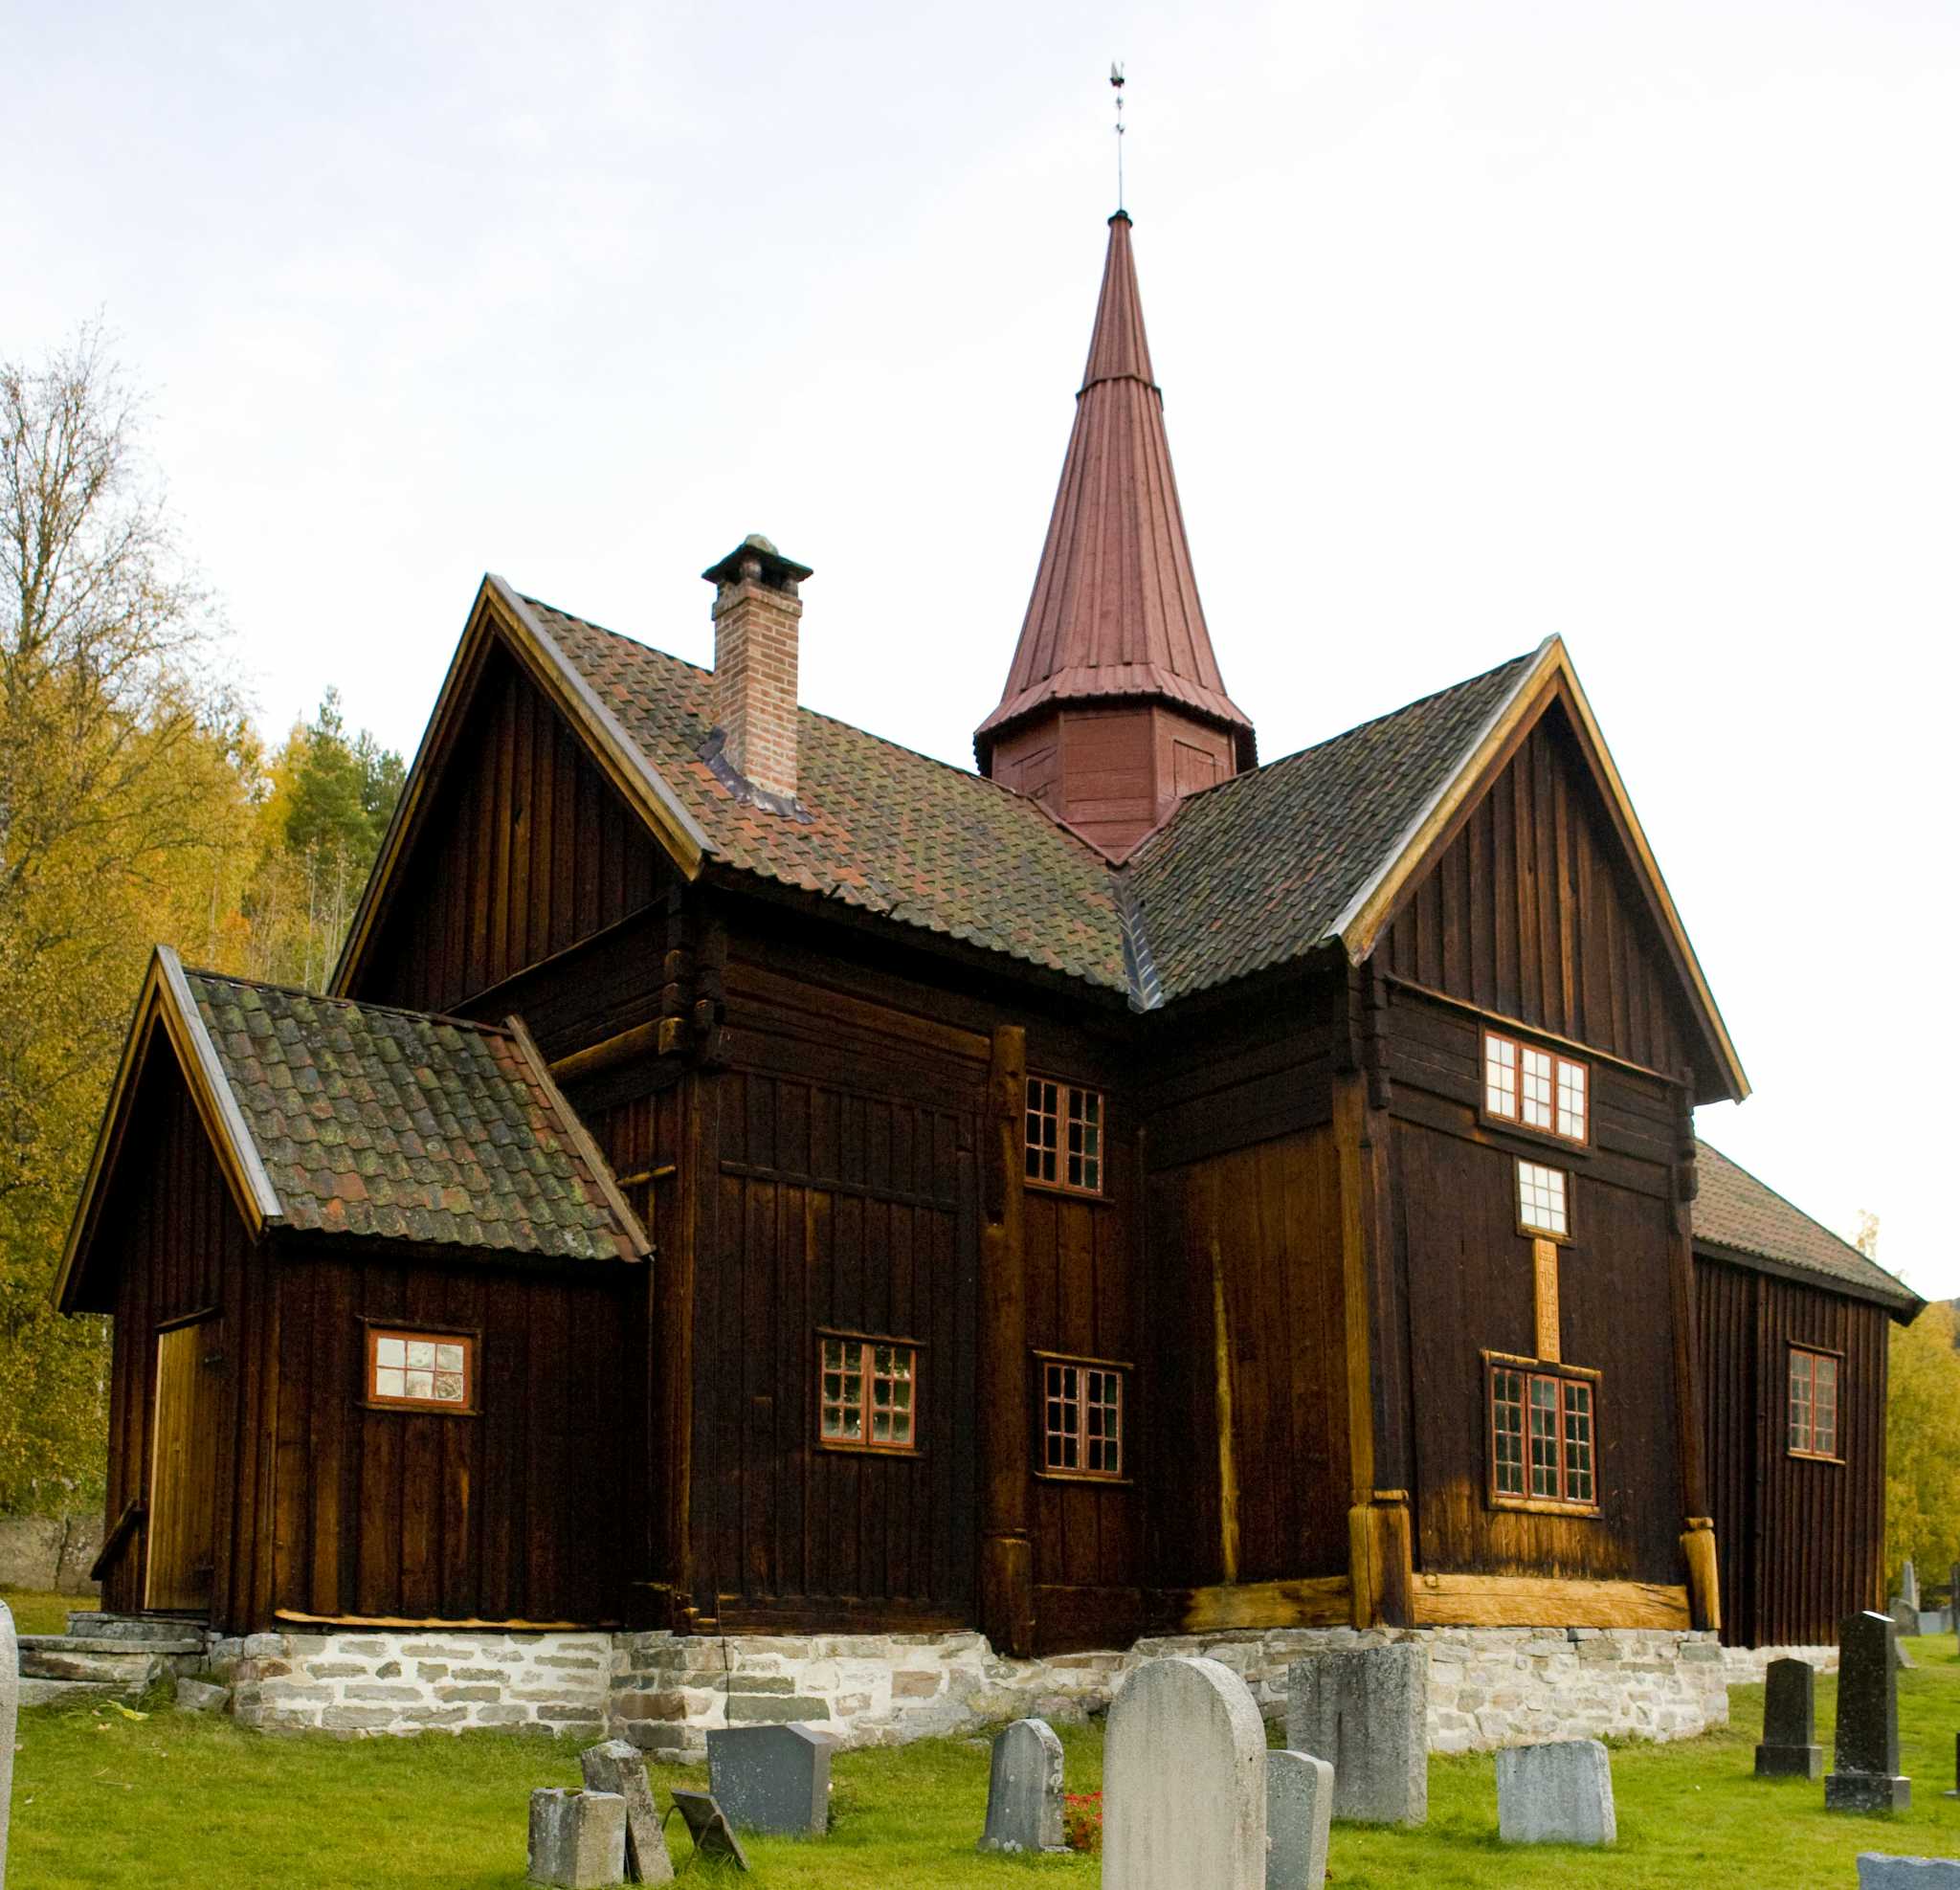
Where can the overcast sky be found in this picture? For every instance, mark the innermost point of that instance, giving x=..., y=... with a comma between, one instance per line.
x=1476, y=322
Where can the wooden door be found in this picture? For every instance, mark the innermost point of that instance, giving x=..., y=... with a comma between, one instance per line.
x=183, y=1485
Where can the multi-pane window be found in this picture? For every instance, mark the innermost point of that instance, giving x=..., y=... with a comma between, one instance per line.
x=1812, y=1403
x=1542, y=1442
x=868, y=1393
x=1065, y=1136
x=433, y=1370
x=1081, y=1418
x=1542, y=1200
x=1534, y=1087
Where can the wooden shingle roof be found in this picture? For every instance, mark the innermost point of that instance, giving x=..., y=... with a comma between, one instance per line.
x=1736, y=1216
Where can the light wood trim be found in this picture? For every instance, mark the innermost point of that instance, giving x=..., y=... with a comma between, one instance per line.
x=1704, y=1577
x=609, y=1051
x=1350, y=1126
x=1228, y=1468
x=580, y=1136
x=1545, y=1273
x=1520, y=1601
x=1320, y=1602
x=439, y=1621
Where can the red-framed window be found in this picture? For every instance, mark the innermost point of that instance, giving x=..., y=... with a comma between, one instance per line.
x=1083, y=1418
x=1544, y=1436
x=1065, y=1138
x=417, y=1370
x=867, y=1393
x=1538, y=1089
x=1812, y=1403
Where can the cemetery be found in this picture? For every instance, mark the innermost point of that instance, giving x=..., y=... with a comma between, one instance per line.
x=1185, y=1779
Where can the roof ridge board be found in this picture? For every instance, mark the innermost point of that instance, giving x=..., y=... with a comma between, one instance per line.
x=1853, y=1252
x=352, y=1003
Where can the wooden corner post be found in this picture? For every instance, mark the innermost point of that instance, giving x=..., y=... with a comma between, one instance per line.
x=1697, y=1535
x=1007, y=1556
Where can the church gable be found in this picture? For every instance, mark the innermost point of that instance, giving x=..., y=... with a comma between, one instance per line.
x=1534, y=911
x=520, y=849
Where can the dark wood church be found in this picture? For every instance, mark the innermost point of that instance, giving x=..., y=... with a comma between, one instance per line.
x=748, y=1177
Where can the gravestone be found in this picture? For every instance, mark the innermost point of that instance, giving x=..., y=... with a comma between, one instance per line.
x=1560, y=1793
x=617, y=1768
x=1183, y=1780
x=708, y=1824
x=1366, y=1711
x=1906, y=1615
x=1024, y=1790
x=1866, y=1776
x=578, y=1840
x=1877, y=1872
x=774, y=1779
x=1953, y=1599
x=1955, y=1792
x=1300, y=1801
x=10, y=1716
x=1909, y=1583
x=1790, y=1724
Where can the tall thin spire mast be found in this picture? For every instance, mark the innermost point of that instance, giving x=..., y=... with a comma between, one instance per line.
x=1116, y=85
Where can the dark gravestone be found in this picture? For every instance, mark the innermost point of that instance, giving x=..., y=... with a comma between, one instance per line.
x=714, y=1836
x=1866, y=1777
x=1024, y=1790
x=772, y=1778
x=1790, y=1724
x=1955, y=1792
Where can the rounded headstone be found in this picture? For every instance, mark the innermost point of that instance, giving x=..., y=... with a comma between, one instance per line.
x=1183, y=1780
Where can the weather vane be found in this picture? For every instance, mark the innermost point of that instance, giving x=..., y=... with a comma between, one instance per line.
x=1116, y=85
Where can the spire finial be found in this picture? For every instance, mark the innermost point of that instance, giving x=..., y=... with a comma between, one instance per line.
x=1116, y=85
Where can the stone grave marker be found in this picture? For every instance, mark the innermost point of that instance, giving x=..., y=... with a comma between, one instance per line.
x=617, y=1768
x=1300, y=1802
x=1955, y=1792
x=578, y=1840
x=1906, y=1615
x=1953, y=1599
x=1866, y=1776
x=1183, y=1780
x=1366, y=1711
x=1024, y=1790
x=1560, y=1793
x=10, y=1717
x=1909, y=1583
x=1790, y=1723
x=774, y=1779
x=708, y=1824
x=1878, y=1872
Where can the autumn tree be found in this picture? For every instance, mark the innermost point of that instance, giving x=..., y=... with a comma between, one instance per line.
x=119, y=801
x=1921, y=1461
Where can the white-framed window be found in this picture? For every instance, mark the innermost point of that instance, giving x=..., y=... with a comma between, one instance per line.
x=1543, y=1205
x=1064, y=1137
x=421, y=1370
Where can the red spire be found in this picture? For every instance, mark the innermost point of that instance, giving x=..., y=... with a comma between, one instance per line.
x=1115, y=617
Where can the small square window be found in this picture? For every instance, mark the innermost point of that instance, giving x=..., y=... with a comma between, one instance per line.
x=1812, y=1403
x=868, y=1393
x=1083, y=1418
x=426, y=1371
x=1542, y=1200
x=1065, y=1136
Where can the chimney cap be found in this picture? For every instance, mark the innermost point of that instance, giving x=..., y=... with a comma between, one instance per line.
x=775, y=567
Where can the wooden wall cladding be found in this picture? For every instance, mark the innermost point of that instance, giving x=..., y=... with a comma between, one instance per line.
x=1257, y=1230
x=1467, y=1286
x=185, y=1251
x=525, y=851
x=512, y=1514
x=828, y=1205
x=1531, y=913
x=1801, y=1541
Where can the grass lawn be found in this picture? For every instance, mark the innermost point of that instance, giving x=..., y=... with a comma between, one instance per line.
x=112, y=1802
x=36, y=1612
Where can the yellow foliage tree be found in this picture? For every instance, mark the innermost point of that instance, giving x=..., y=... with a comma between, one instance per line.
x=1922, y=1464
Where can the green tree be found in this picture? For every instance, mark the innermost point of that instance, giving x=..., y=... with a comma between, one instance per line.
x=1922, y=1464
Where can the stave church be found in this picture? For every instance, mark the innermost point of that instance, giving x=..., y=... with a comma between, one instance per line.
x=768, y=1226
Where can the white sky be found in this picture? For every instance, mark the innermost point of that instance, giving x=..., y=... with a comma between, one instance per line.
x=1635, y=323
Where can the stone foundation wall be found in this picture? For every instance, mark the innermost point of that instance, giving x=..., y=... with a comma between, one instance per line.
x=368, y=1681
x=1747, y=1666
x=1488, y=1687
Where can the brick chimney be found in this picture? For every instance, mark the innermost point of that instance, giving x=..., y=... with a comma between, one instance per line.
x=756, y=612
